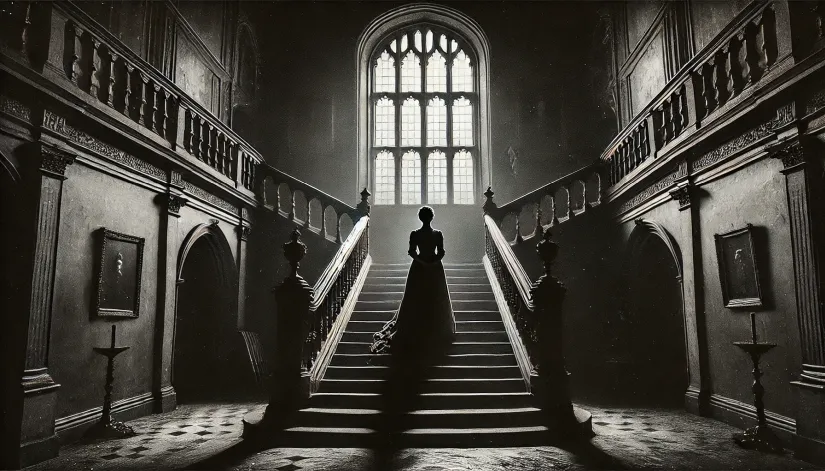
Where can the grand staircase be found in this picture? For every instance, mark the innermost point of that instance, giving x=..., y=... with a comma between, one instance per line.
x=477, y=397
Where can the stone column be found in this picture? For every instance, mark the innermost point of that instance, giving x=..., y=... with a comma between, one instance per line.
x=43, y=172
x=244, y=228
x=804, y=184
x=171, y=203
x=698, y=392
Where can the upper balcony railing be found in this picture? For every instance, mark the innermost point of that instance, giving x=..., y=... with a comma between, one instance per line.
x=744, y=58
x=111, y=74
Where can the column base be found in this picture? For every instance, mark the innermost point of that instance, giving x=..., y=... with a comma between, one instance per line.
x=809, y=441
x=697, y=401
x=166, y=400
x=38, y=441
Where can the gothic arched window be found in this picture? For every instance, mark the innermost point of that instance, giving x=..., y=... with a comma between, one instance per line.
x=423, y=97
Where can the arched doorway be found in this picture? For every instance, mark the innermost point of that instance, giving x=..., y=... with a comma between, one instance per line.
x=208, y=360
x=658, y=370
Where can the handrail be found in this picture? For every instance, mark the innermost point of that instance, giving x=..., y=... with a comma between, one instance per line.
x=519, y=275
x=332, y=289
x=279, y=176
x=336, y=265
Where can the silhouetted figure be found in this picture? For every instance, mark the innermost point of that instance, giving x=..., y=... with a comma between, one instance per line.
x=418, y=336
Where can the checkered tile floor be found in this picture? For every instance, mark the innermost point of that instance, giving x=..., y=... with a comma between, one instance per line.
x=630, y=438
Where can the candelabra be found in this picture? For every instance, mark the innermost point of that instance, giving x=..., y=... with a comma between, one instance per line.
x=759, y=437
x=107, y=427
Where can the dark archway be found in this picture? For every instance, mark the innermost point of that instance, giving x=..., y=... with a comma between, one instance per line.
x=208, y=358
x=658, y=371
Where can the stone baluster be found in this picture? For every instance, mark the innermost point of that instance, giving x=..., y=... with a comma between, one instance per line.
x=197, y=131
x=128, y=87
x=96, y=67
x=323, y=221
x=338, y=238
x=291, y=214
x=519, y=239
x=289, y=387
x=156, y=120
x=73, y=47
x=143, y=105
x=539, y=230
x=308, y=202
x=113, y=76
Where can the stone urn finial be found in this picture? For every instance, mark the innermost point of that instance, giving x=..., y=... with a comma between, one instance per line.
x=547, y=250
x=364, y=206
x=294, y=251
x=489, y=205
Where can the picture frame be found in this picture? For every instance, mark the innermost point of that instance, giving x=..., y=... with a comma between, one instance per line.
x=119, y=273
x=738, y=268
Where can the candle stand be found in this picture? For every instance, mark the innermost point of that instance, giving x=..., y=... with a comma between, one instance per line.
x=759, y=437
x=107, y=427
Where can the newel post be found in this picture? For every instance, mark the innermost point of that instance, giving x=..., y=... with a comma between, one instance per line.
x=289, y=386
x=363, y=208
x=551, y=386
x=489, y=206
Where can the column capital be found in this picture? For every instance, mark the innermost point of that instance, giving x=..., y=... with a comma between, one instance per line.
x=683, y=193
x=792, y=156
x=243, y=231
x=174, y=203
x=51, y=161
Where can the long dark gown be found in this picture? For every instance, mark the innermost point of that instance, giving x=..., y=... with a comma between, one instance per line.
x=424, y=321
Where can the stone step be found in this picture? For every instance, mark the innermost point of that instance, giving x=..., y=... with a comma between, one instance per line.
x=436, y=372
x=461, y=326
x=426, y=401
x=425, y=418
x=435, y=385
x=447, y=264
x=457, y=304
x=453, y=287
x=448, y=270
x=401, y=279
x=479, y=359
x=457, y=348
x=491, y=336
x=398, y=295
x=460, y=316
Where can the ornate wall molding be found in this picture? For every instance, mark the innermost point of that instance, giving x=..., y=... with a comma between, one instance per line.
x=784, y=115
x=55, y=161
x=669, y=180
x=58, y=124
x=15, y=108
x=790, y=155
x=204, y=195
x=815, y=102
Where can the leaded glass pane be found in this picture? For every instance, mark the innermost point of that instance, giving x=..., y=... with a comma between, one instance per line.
x=462, y=73
x=462, y=122
x=411, y=73
x=428, y=42
x=410, y=123
x=443, y=43
x=436, y=123
x=404, y=43
x=418, y=40
x=384, y=123
x=436, y=73
x=463, y=178
x=411, y=178
x=437, y=178
x=385, y=178
x=385, y=73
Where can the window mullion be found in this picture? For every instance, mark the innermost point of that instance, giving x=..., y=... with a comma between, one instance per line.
x=449, y=103
x=423, y=101
x=397, y=120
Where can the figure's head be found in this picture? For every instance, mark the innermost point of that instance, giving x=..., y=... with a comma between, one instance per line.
x=426, y=214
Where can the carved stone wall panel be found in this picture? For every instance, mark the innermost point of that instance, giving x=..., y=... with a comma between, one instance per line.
x=59, y=125
x=204, y=195
x=650, y=191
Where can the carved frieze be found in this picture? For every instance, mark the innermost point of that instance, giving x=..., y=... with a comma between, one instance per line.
x=815, y=102
x=15, y=108
x=204, y=195
x=784, y=115
x=650, y=191
x=58, y=124
x=682, y=193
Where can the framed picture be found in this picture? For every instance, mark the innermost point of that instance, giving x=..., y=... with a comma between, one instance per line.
x=119, y=274
x=738, y=270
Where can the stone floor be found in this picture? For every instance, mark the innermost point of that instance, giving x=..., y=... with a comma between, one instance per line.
x=207, y=436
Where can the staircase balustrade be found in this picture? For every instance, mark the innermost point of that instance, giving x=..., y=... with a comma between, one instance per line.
x=307, y=315
x=552, y=204
x=535, y=308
